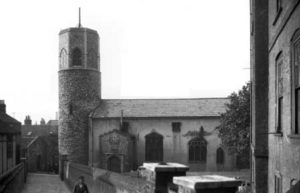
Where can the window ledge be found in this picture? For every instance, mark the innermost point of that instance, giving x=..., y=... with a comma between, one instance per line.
x=197, y=162
x=277, y=16
x=278, y=134
x=294, y=136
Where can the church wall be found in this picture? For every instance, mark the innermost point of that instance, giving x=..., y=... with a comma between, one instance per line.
x=175, y=143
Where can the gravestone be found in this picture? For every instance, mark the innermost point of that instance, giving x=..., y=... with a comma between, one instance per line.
x=161, y=174
x=206, y=184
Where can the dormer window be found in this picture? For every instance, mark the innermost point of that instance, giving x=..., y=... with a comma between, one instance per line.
x=76, y=57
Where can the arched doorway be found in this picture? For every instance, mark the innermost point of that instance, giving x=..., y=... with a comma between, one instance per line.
x=154, y=147
x=114, y=164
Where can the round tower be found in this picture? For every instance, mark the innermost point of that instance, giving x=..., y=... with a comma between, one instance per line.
x=79, y=89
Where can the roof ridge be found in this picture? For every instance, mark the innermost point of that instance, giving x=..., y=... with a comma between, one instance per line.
x=169, y=98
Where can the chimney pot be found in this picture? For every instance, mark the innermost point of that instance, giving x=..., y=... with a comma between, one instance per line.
x=2, y=106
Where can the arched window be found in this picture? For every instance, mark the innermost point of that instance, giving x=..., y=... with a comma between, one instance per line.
x=76, y=57
x=92, y=59
x=220, y=156
x=63, y=58
x=154, y=147
x=197, y=150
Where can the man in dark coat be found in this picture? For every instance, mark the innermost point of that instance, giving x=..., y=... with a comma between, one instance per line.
x=81, y=187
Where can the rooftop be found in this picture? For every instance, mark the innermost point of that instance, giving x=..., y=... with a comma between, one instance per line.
x=144, y=108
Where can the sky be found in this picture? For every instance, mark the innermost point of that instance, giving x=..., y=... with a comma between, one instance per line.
x=148, y=49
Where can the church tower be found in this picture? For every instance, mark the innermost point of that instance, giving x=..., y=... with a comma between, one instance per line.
x=79, y=89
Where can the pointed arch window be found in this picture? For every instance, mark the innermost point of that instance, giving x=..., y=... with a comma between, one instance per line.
x=197, y=150
x=220, y=156
x=154, y=147
x=63, y=58
x=76, y=57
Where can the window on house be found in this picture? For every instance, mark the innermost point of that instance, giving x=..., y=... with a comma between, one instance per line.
x=154, y=147
x=278, y=184
x=176, y=127
x=220, y=156
x=296, y=80
x=76, y=57
x=279, y=94
x=10, y=149
x=197, y=150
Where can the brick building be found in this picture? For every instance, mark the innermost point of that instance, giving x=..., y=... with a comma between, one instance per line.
x=40, y=145
x=275, y=32
x=10, y=139
x=121, y=134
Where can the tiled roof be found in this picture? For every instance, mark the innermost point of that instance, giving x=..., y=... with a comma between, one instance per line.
x=203, y=107
x=9, y=124
x=38, y=130
x=8, y=119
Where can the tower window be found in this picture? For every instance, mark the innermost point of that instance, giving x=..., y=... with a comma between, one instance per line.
x=63, y=58
x=76, y=57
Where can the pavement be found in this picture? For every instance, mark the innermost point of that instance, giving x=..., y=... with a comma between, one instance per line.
x=44, y=183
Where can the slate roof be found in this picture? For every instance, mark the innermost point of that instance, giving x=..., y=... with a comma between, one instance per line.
x=7, y=119
x=142, y=108
x=9, y=124
x=38, y=130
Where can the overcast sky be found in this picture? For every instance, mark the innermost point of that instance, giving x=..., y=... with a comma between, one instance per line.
x=148, y=49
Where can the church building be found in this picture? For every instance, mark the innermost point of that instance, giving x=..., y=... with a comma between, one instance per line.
x=121, y=134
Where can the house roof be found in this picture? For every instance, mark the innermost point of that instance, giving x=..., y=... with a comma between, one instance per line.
x=142, y=108
x=39, y=130
x=9, y=124
x=7, y=119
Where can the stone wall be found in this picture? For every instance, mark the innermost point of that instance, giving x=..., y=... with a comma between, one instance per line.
x=175, y=144
x=13, y=180
x=79, y=92
x=284, y=146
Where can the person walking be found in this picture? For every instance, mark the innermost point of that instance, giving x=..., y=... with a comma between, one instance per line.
x=80, y=187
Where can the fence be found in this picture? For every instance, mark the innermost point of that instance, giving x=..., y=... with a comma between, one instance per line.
x=13, y=180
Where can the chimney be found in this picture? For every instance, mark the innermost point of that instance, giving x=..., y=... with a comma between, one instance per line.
x=27, y=120
x=2, y=106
